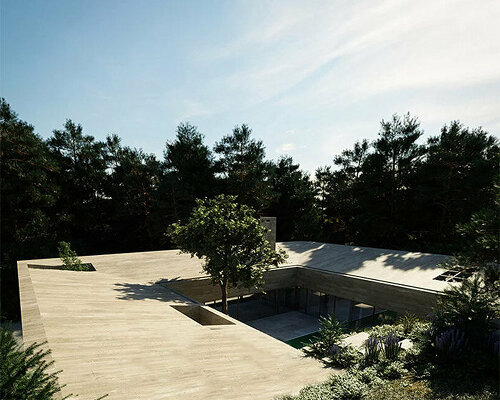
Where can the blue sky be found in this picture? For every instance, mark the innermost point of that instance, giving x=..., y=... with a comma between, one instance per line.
x=309, y=77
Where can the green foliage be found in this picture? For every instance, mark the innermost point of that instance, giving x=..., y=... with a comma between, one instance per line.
x=27, y=195
x=372, y=348
x=104, y=197
x=70, y=258
x=470, y=307
x=368, y=375
x=293, y=202
x=409, y=389
x=345, y=356
x=231, y=242
x=330, y=333
x=408, y=322
x=419, y=331
x=391, y=369
x=387, y=183
x=381, y=331
x=25, y=373
x=189, y=171
x=131, y=191
x=337, y=190
x=481, y=251
x=241, y=161
x=348, y=387
x=392, y=347
x=311, y=392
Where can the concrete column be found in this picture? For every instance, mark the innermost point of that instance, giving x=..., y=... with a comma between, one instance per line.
x=351, y=310
x=319, y=305
x=260, y=305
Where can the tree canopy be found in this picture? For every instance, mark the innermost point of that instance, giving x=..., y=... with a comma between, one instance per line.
x=399, y=191
x=231, y=242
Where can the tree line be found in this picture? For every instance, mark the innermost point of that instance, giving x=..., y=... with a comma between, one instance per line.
x=396, y=192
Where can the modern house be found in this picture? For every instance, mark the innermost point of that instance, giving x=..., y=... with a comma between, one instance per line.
x=145, y=325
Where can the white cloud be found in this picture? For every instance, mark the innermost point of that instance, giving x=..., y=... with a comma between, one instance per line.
x=325, y=54
x=285, y=148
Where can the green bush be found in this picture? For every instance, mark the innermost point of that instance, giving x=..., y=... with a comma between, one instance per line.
x=391, y=370
x=407, y=323
x=330, y=334
x=70, y=258
x=420, y=330
x=470, y=307
x=368, y=375
x=348, y=387
x=312, y=392
x=24, y=372
x=345, y=356
x=381, y=331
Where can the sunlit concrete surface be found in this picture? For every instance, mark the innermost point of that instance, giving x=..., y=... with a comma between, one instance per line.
x=392, y=266
x=287, y=326
x=112, y=331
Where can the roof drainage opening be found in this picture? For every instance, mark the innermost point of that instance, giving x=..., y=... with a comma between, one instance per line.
x=202, y=315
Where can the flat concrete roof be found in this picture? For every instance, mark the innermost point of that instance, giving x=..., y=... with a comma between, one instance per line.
x=391, y=266
x=112, y=331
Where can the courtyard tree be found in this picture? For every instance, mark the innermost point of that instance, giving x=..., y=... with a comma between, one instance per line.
x=231, y=242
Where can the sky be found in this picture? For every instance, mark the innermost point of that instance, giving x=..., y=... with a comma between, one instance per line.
x=309, y=77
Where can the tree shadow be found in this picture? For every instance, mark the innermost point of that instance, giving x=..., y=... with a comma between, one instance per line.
x=150, y=291
x=350, y=259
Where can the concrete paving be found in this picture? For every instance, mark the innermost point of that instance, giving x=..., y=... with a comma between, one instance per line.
x=357, y=340
x=113, y=331
x=287, y=326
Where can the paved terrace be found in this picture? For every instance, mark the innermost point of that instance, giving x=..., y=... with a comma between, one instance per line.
x=113, y=331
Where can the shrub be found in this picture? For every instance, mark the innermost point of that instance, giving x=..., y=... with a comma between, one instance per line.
x=345, y=356
x=450, y=345
x=381, y=331
x=330, y=334
x=24, y=373
x=470, y=307
x=372, y=350
x=421, y=330
x=322, y=391
x=369, y=376
x=391, y=370
x=70, y=258
x=407, y=323
x=392, y=347
x=347, y=387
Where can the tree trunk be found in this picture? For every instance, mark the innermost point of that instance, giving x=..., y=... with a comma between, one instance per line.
x=223, y=288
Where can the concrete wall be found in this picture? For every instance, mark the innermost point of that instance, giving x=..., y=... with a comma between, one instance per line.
x=202, y=290
x=378, y=293
x=270, y=224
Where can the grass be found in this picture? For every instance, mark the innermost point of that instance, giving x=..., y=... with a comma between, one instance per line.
x=411, y=389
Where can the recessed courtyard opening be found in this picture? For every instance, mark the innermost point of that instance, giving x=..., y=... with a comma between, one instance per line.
x=202, y=315
x=292, y=314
